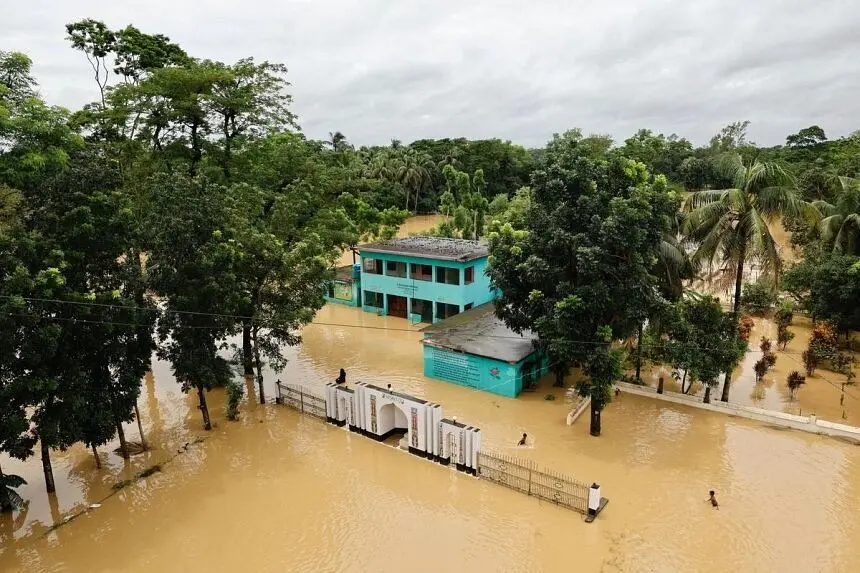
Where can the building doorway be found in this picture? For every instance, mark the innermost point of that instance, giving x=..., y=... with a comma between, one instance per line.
x=397, y=306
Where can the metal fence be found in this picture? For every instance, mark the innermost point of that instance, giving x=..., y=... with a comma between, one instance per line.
x=302, y=399
x=526, y=477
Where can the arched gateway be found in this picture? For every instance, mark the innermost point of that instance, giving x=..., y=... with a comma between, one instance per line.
x=378, y=413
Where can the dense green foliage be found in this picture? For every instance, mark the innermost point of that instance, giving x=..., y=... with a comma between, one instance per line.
x=580, y=271
x=697, y=337
x=757, y=297
x=184, y=210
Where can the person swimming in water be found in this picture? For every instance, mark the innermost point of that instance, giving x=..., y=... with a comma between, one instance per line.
x=341, y=377
x=522, y=441
x=713, y=499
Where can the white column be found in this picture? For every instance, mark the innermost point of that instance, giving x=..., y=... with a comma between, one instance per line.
x=593, y=499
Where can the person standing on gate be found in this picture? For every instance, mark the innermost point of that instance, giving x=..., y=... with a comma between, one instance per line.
x=341, y=377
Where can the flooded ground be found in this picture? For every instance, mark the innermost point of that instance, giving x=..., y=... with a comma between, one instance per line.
x=280, y=492
x=822, y=394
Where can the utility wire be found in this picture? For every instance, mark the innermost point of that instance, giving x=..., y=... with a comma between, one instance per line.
x=76, y=320
x=256, y=320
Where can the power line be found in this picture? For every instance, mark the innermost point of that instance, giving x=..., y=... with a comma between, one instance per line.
x=256, y=320
x=76, y=320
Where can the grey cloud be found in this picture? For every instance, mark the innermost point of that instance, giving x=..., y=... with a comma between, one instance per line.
x=376, y=69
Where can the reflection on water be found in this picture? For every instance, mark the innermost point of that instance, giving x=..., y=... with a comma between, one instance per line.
x=822, y=394
x=280, y=492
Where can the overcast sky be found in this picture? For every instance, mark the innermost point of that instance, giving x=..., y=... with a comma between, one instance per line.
x=407, y=69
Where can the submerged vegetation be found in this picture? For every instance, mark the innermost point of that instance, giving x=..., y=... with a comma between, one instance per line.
x=185, y=207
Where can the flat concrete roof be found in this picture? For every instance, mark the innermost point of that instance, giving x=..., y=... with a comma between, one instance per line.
x=461, y=250
x=479, y=332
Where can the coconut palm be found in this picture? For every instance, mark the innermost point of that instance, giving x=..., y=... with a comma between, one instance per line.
x=674, y=264
x=731, y=226
x=840, y=227
x=414, y=171
x=9, y=498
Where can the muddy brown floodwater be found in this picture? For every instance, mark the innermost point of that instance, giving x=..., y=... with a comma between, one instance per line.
x=277, y=491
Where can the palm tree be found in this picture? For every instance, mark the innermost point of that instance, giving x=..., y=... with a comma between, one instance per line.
x=413, y=171
x=9, y=498
x=840, y=226
x=337, y=141
x=673, y=266
x=731, y=226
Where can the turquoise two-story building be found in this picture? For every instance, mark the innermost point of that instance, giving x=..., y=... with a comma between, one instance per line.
x=424, y=279
x=443, y=283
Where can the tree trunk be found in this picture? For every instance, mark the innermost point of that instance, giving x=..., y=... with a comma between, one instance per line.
x=416, y=201
x=407, y=197
x=559, y=378
x=96, y=457
x=739, y=279
x=639, y=355
x=143, y=443
x=123, y=445
x=247, y=349
x=707, y=399
x=50, y=487
x=595, y=420
x=204, y=409
x=660, y=385
x=683, y=381
x=259, y=365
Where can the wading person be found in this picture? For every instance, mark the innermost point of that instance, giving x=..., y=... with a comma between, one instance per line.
x=341, y=378
x=713, y=500
x=522, y=441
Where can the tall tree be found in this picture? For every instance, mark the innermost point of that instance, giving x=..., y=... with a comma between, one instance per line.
x=701, y=339
x=840, y=227
x=193, y=266
x=580, y=273
x=248, y=100
x=731, y=227
x=806, y=137
x=97, y=42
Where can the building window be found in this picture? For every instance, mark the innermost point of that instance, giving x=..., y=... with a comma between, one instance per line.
x=329, y=290
x=447, y=275
x=371, y=266
x=468, y=306
x=445, y=310
x=469, y=275
x=395, y=269
x=422, y=272
x=373, y=299
x=423, y=308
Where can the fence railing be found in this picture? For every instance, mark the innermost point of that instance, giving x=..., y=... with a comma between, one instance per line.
x=302, y=399
x=525, y=476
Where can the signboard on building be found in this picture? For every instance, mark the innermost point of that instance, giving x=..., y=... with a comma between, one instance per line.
x=455, y=367
x=343, y=291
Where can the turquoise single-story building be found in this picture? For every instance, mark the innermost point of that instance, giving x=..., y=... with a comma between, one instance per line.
x=345, y=288
x=477, y=350
x=424, y=279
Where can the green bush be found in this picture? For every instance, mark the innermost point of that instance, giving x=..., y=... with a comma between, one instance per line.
x=757, y=298
x=235, y=392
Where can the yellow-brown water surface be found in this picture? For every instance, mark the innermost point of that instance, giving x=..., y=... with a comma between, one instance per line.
x=277, y=491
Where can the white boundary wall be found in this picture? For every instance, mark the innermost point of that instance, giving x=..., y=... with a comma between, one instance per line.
x=809, y=424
